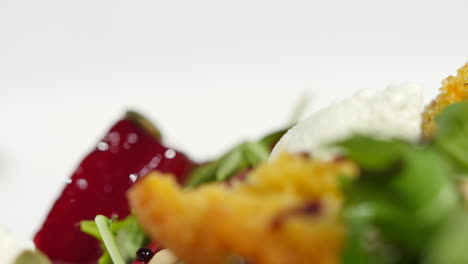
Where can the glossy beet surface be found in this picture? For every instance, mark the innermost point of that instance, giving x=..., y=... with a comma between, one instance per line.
x=98, y=186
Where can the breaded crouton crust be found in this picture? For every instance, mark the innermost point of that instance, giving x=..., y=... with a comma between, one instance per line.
x=454, y=89
x=286, y=212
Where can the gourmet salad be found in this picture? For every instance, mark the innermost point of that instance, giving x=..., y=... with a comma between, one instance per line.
x=374, y=179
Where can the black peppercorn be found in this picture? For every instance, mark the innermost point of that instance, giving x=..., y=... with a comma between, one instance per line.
x=144, y=254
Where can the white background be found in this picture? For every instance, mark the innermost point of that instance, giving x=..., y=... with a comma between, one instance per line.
x=209, y=73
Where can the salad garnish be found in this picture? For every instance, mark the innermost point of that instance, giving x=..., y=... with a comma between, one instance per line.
x=377, y=198
x=120, y=239
x=392, y=209
x=240, y=158
x=103, y=225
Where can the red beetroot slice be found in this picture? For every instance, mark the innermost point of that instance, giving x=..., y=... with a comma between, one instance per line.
x=129, y=151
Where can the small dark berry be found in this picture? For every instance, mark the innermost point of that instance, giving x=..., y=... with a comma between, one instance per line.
x=144, y=254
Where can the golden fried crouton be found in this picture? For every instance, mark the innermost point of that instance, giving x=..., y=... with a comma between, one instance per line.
x=286, y=212
x=454, y=90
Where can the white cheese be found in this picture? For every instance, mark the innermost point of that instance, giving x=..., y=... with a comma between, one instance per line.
x=391, y=113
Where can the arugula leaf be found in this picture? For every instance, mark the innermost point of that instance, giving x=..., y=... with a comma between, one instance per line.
x=404, y=191
x=271, y=139
x=127, y=235
x=202, y=174
x=452, y=133
x=365, y=246
x=256, y=153
x=130, y=236
x=449, y=243
x=370, y=153
x=230, y=164
x=416, y=205
x=245, y=155
x=90, y=228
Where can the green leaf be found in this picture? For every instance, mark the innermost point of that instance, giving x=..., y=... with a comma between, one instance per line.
x=90, y=228
x=240, y=157
x=271, y=139
x=130, y=236
x=422, y=178
x=372, y=154
x=229, y=165
x=399, y=181
x=105, y=258
x=127, y=233
x=449, y=245
x=202, y=174
x=452, y=132
x=364, y=246
x=255, y=153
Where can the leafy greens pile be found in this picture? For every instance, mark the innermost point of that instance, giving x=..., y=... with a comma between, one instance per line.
x=407, y=206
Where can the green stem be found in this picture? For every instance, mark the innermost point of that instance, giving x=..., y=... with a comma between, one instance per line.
x=108, y=239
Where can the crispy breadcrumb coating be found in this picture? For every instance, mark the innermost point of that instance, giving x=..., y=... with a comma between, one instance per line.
x=453, y=90
x=286, y=212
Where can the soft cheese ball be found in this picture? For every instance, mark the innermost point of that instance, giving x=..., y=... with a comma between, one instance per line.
x=394, y=112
